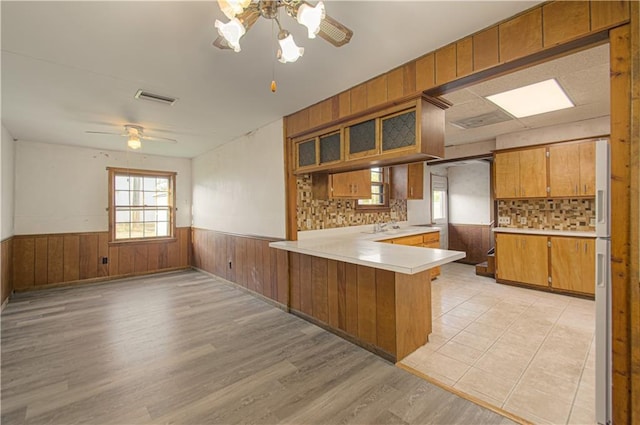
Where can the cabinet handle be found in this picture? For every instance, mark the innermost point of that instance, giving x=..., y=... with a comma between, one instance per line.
x=585, y=247
x=576, y=191
x=355, y=188
x=585, y=189
x=350, y=188
x=514, y=192
x=411, y=191
x=523, y=192
x=577, y=246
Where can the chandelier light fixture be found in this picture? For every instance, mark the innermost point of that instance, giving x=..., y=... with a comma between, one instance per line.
x=243, y=14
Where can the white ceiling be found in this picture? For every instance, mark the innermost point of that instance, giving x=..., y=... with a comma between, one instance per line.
x=69, y=67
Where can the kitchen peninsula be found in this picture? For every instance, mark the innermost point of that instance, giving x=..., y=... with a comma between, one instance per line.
x=377, y=295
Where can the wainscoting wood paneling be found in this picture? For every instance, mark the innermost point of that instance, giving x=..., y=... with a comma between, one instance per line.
x=474, y=239
x=6, y=269
x=44, y=260
x=245, y=260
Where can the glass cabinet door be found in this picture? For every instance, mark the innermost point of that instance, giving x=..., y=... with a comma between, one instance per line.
x=307, y=153
x=330, y=148
x=399, y=131
x=362, y=137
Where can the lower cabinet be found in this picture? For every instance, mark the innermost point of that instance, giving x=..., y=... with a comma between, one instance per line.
x=565, y=264
x=573, y=266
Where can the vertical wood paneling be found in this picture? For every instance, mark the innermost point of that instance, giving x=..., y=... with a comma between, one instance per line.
x=564, y=20
x=332, y=294
x=386, y=310
x=55, y=253
x=173, y=254
x=23, y=263
x=114, y=261
x=231, y=259
x=71, y=260
x=425, y=72
x=273, y=255
x=259, y=271
x=342, y=295
x=184, y=239
x=153, y=252
x=141, y=258
x=413, y=311
x=319, y=296
x=344, y=104
x=240, y=247
x=126, y=259
x=409, y=78
x=306, y=306
x=88, y=255
x=295, y=300
x=248, y=264
x=351, y=298
x=103, y=252
x=464, y=57
x=221, y=262
x=358, y=98
x=163, y=256
x=41, y=259
x=605, y=14
x=395, y=84
x=446, y=64
x=521, y=36
x=366, y=304
x=6, y=268
x=485, y=49
x=377, y=91
x=267, y=282
x=298, y=122
x=620, y=48
x=283, y=276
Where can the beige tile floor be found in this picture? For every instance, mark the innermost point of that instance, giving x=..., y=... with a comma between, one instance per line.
x=528, y=352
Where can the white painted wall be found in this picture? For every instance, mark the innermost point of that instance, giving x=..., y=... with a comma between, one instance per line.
x=61, y=189
x=7, y=157
x=469, y=193
x=239, y=187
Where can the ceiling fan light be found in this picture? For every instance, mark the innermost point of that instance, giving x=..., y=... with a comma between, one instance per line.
x=232, y=31
x=231, y=8
x=289, y=51
x=134, y=142
x=311, y=17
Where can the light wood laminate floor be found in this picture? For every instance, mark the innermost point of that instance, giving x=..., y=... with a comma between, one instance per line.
x=188, y=348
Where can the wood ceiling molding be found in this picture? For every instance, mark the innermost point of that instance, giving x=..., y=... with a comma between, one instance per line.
x=564, y=20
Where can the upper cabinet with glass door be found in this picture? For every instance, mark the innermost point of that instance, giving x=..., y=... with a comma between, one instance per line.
x=408, y=132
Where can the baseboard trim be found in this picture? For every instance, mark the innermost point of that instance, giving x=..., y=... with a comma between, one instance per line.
x=464, y=395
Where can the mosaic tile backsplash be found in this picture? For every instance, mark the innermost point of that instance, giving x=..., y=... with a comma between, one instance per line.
x=315, y=214
x=549, y=214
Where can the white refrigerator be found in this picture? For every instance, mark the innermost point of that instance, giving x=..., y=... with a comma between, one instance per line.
x=603, y=285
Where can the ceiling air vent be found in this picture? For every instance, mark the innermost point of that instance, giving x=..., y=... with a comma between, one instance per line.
x=490, y=118
x=145, y=95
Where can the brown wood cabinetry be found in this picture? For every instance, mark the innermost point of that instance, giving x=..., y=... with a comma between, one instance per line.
x=522, y=258
x=565, y=264
x=407, y=181
x=573, y=264
x=349, y=185
x=406, y=132
x=423, y=240
x=521, y=174
x=572, y=169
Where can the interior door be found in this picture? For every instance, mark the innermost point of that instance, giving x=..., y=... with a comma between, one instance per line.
x=440, y=208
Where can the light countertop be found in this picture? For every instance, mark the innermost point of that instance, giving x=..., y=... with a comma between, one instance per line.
x=571, y=233
x=363, y=247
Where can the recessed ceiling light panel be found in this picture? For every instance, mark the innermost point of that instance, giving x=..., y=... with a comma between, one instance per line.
x=534, y=99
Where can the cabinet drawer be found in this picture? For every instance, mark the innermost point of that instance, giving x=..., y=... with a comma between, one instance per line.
x=428, y=238
x=409, y=240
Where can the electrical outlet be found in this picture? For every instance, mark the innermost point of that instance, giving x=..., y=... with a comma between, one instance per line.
x=105, y=260
x=504, y=220
x=230, y=264
x=523, y=220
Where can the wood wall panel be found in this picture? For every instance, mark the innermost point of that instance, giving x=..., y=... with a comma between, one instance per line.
x=521, y=36
x=55, y=259
x=409, y=78
x=464, y=57
x=474, y=239
x=358, y=98
x=377, y=91
x=294, y=259
x=306, y=305
x=486, y=49
x=344, y=104
x=333, y=305
x=366, y=283
x=425, y=72
x=254, y=265
x=446, y=64
x=351, y=298
x=319, y=289
x=605, y=14
x=6, y=269
x=395, y=84
x=386, y=310
x=564, y=21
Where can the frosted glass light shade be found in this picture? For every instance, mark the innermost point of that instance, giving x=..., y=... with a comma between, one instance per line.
x=534, y=99
x=233, y=7
x=311, y=17
x=288, y=52
x=232, y=31
x=134, y=142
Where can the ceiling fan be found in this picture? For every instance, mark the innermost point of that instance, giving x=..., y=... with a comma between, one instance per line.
x=135, y=134
x=243, y=14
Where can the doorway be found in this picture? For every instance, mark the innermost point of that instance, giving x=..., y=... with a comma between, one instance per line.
x=439, y=208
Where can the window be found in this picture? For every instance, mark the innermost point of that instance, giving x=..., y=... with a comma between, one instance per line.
x=379, y=191
x=141, y=204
